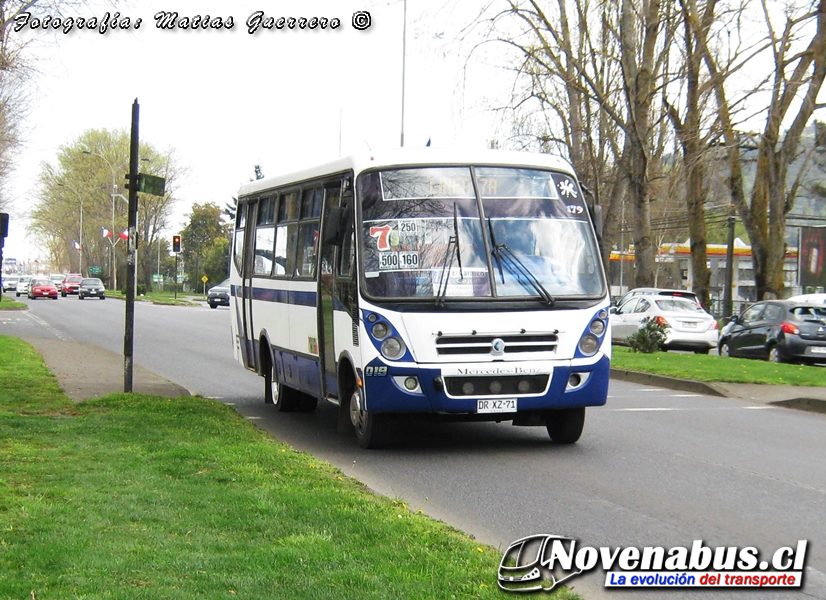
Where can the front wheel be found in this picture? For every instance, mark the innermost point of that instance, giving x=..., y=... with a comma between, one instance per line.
x=284, y=398
x=565, y=425
x=370, y=427
x=724, y=349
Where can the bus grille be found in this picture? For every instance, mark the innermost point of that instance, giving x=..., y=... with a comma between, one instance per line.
x=509, y=385
x=483, y=344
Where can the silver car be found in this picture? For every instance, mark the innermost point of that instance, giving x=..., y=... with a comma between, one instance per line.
x=688, y=325
x=9, y=283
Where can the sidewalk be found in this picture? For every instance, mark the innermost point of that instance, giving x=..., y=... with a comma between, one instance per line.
x=87, y=371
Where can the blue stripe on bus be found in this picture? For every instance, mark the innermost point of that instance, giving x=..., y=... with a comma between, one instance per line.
x=282, y=296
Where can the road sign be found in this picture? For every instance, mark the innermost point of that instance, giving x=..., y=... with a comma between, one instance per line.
x=157, y=278
x=204, y=278
x=150, y=184
x=95, y=270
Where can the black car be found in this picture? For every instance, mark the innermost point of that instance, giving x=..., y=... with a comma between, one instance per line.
x=219, y=294
x=91, y=287
x=777, y=330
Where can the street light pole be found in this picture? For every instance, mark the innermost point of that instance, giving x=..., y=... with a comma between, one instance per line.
x=114, y=194
x=80, y=233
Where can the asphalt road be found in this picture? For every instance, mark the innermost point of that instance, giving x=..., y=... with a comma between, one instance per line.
x=653, y=468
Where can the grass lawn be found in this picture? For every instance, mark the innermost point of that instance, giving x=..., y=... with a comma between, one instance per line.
x=133, y=496
x=715, y=368
x=11, y=302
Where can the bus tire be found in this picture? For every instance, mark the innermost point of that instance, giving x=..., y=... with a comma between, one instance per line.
x=565, y=425
x=370, y=427
x=307, y=403
x=282, y=397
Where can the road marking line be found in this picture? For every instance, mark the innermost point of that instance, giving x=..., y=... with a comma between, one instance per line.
x=685, y=395
x=254, y=418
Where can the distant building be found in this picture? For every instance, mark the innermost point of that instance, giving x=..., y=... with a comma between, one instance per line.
x=674, y=271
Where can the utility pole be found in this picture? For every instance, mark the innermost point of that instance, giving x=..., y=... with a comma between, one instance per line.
x=727, y=292
x=133, y=178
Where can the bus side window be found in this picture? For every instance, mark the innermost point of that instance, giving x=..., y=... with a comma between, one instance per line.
x=264, y=241
x=308, y=248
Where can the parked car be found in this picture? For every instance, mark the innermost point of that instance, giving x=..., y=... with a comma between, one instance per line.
x=688, y=326
x=57, y=279
x=42, y=287
x=779, y=331
x=91, y=287
x=22, y=285
x=645, y=291
x=70, y=284
x=811, y=298
x=219, y=294
x=10, y=283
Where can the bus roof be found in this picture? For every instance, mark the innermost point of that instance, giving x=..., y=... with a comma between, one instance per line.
x=410, y=157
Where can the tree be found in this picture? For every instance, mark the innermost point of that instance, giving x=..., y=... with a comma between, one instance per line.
x=596, y=86
x=15, y=75
x=198, y=237
x=90, y=172
x=799, y=69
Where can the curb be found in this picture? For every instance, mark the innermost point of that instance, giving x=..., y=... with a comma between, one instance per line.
x=673, y=383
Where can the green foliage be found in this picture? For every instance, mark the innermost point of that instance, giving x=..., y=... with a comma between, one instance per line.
x=648, y=338
x=198, y=237
x=216, y=261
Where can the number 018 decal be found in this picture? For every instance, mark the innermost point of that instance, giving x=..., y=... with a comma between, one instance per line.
x=375, y=371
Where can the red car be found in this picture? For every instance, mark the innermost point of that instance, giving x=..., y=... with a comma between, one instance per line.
x=70, y=284
x=42, y=288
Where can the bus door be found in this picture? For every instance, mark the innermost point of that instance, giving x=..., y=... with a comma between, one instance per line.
x=327, y=287
x=248, y=349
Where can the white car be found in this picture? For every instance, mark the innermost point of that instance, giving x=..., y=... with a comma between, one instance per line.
x=810, y=298
x=688, y=326
x=22, y=288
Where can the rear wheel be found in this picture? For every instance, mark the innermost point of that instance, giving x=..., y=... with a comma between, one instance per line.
x=284, y=398
x=774, y=355
x=565, y=425
x=211, y=305
x=370, y=427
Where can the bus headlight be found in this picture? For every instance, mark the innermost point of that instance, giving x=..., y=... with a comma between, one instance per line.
x=380, y=330
x=392, y=348
x=597, y=327
x=588, y=344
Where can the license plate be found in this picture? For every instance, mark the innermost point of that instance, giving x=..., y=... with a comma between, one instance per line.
x=817, y=350
x=496, y=406
x=689, y=324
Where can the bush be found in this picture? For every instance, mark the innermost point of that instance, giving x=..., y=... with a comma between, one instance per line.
x=141, y=289
x=648, y=338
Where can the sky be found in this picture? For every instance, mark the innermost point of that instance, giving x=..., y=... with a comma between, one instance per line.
x=224, y=99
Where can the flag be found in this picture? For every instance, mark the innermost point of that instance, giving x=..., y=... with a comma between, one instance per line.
x=124, y=235
x=106, y=232
x=77, y=246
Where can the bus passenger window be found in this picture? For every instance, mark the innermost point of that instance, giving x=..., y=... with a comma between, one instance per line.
x=264, y=240
x=308, y=247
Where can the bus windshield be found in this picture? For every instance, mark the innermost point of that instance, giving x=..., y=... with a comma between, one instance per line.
x=444, y=233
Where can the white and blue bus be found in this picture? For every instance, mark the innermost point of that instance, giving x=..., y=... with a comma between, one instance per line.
x=454, y=285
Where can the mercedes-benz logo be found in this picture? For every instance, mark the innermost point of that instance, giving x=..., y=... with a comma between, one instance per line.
x=497, y=347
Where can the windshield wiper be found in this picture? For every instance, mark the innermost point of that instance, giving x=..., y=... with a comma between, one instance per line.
x=452, y=249
x=517, y=267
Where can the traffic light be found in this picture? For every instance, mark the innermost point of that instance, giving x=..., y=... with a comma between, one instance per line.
x=176, y=243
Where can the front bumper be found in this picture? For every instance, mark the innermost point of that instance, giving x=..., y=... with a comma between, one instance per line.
x=384, y=388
